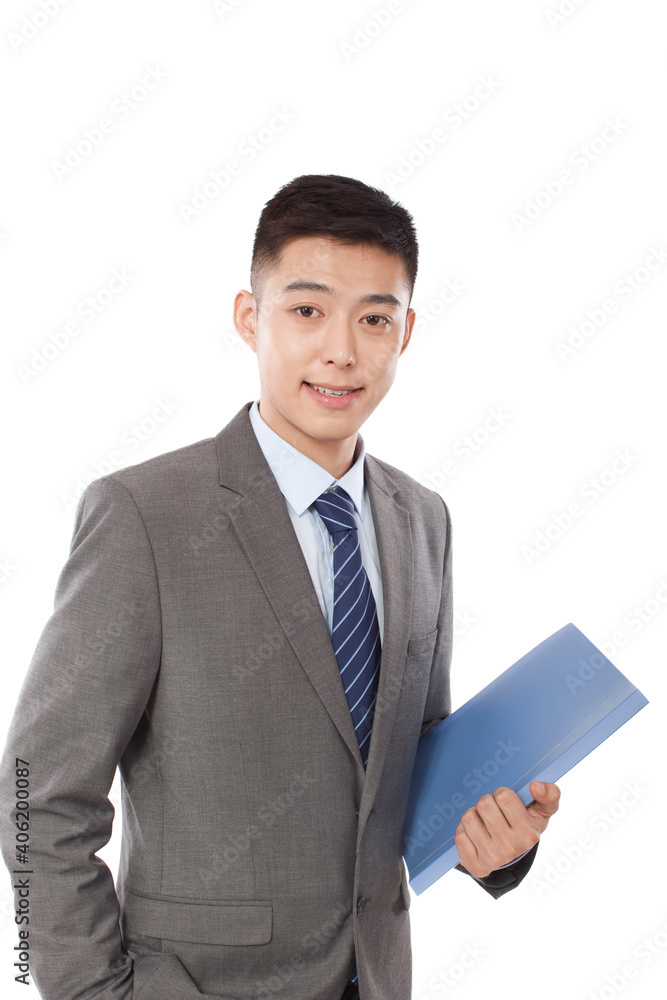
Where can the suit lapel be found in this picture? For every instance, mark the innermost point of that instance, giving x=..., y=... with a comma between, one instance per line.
x=264, y=528
x=391, y=521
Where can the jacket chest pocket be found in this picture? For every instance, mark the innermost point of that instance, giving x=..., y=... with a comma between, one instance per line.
x=416, y=676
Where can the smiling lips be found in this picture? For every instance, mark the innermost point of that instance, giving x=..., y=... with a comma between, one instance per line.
x=333, y=390
x=333, y=397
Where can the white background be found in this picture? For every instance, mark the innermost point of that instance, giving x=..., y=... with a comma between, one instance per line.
x=362, y=100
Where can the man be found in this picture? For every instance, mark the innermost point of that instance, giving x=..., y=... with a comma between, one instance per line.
x=256, y=628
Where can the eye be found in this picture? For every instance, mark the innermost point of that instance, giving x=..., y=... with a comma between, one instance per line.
x=299, y=308
x=384, y=319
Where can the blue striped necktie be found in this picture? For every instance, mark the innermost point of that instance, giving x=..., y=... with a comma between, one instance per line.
x=355, y=633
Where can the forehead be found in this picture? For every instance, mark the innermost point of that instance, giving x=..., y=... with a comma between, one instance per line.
x=320, y=258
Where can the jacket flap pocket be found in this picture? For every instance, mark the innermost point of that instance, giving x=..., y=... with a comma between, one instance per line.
x=246, y=921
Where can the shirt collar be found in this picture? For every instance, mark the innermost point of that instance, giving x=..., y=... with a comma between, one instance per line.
x=301, y=480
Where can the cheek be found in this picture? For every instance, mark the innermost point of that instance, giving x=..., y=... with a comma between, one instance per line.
x=285, y=353
x=277, y=361
x=383, y=366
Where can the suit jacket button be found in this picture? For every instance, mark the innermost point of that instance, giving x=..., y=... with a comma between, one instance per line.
x=361, y=902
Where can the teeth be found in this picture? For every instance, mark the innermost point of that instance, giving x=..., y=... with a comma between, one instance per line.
x=331, y=392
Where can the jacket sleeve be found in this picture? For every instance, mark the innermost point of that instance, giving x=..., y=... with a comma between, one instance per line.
x=502, y=880
x=84, y=692
x=438, y=707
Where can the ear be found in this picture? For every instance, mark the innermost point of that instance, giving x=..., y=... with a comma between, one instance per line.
x=245, y=318
x=409, y=324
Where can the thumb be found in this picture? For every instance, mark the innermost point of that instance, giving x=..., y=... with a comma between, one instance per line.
x=546, y=796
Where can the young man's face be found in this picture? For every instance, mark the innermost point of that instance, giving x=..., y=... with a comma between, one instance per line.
x=331, y=316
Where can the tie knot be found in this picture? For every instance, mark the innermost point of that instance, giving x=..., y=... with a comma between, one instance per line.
x=336, y=510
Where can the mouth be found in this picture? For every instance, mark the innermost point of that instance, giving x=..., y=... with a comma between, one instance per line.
x=343, y=390
x=333, y=397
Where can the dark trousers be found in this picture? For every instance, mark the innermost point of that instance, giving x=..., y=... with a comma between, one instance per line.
x=351, y=992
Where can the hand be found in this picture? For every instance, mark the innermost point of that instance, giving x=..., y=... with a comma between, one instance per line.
x=500, y=828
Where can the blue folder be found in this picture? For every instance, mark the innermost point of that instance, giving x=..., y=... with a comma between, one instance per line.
x=535, y=721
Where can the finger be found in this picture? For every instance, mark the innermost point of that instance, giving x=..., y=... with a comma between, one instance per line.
x=511, y=807
x=511, y=827
x=500, y=813
x=471, y=856
x=468, y=855
x=478, y=852
x=480, y=820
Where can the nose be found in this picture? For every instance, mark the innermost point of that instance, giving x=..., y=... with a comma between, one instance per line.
x=338, y=343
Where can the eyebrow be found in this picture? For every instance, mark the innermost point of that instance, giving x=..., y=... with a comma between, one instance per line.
x=373, y=298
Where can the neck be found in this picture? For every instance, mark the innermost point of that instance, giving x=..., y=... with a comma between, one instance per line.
x=336, y=456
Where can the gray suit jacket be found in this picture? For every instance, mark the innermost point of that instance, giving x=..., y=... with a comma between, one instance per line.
x=188, y=648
